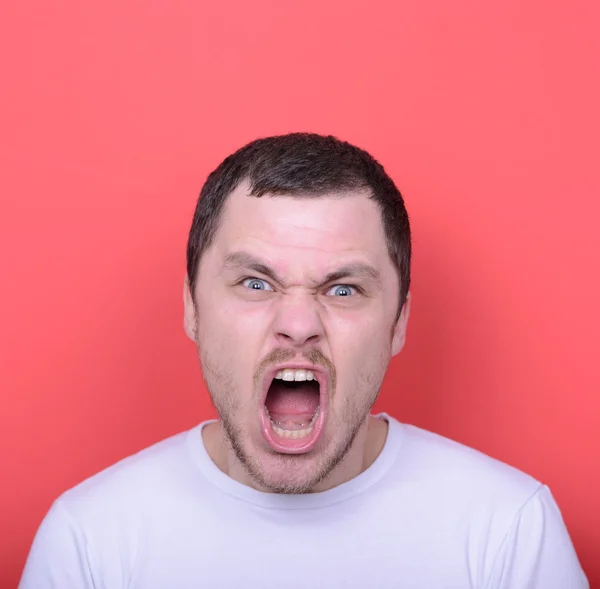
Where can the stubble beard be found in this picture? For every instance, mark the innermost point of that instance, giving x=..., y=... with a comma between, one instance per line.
x=223, y=394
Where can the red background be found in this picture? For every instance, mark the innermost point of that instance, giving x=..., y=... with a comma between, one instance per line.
x=112, y=114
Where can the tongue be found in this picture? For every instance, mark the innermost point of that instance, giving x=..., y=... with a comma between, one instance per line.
x=292, y=402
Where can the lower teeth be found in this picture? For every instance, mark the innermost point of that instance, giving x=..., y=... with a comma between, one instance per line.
x=282, y=424
x=294, y=434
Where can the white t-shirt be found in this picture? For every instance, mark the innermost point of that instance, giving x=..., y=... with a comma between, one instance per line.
x=428, y=514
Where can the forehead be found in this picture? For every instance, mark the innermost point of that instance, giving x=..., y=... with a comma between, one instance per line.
x=302, y=238
x=286, y=230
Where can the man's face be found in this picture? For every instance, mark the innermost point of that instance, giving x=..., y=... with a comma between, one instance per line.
x=293, y=289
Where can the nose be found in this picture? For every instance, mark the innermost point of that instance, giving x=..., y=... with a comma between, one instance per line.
x=298, y=322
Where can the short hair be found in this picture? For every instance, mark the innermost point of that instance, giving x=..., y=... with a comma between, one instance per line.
x=302, y=165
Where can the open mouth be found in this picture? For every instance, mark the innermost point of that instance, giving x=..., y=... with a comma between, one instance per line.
x=294, y=409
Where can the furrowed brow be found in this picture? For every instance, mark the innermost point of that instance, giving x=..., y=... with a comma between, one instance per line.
x=356, y=270
x=243, y=260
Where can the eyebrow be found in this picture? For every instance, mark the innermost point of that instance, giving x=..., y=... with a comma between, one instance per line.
x=237, y=260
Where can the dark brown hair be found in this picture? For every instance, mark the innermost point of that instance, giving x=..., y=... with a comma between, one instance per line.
x=302, y=164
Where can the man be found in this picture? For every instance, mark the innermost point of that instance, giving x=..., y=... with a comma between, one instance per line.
x=297, y=296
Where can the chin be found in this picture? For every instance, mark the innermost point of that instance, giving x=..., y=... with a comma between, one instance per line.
x=286, y=473
x=289, y=474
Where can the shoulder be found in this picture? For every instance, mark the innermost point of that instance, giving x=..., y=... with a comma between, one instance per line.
x=97, y=527
x=131, y=482
x=458, y=473
x=461, y=500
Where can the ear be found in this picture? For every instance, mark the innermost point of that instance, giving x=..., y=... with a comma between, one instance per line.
x=189, y=311
x=399, y=333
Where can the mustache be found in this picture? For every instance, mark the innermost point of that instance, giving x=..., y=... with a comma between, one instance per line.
x=279, y=355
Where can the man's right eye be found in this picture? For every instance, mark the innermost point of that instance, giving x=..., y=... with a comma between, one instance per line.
x=256, y=284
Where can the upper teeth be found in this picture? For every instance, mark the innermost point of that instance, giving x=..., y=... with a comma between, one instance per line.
x=295, y=374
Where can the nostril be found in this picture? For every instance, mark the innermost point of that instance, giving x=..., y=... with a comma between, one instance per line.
x=298, y=339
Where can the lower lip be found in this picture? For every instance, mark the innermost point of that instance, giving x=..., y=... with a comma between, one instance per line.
x=290, y=445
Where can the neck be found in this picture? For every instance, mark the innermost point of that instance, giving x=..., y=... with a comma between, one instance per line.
x=367, y=445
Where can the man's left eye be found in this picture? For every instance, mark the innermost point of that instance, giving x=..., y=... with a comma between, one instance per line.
x=341, y=290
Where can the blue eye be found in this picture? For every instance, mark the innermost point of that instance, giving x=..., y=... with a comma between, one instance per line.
x=342, y=290
x=256, y=284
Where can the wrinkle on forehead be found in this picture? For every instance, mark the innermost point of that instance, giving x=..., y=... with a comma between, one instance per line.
x=337, y=221
x=304, y=238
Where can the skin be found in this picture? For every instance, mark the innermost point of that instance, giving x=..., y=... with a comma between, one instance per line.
x=238, y=329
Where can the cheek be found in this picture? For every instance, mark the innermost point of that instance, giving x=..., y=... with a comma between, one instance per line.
x=230, y=335
x=361, y=334
x=227, y=312
x=218, y=317
x=362, y=351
